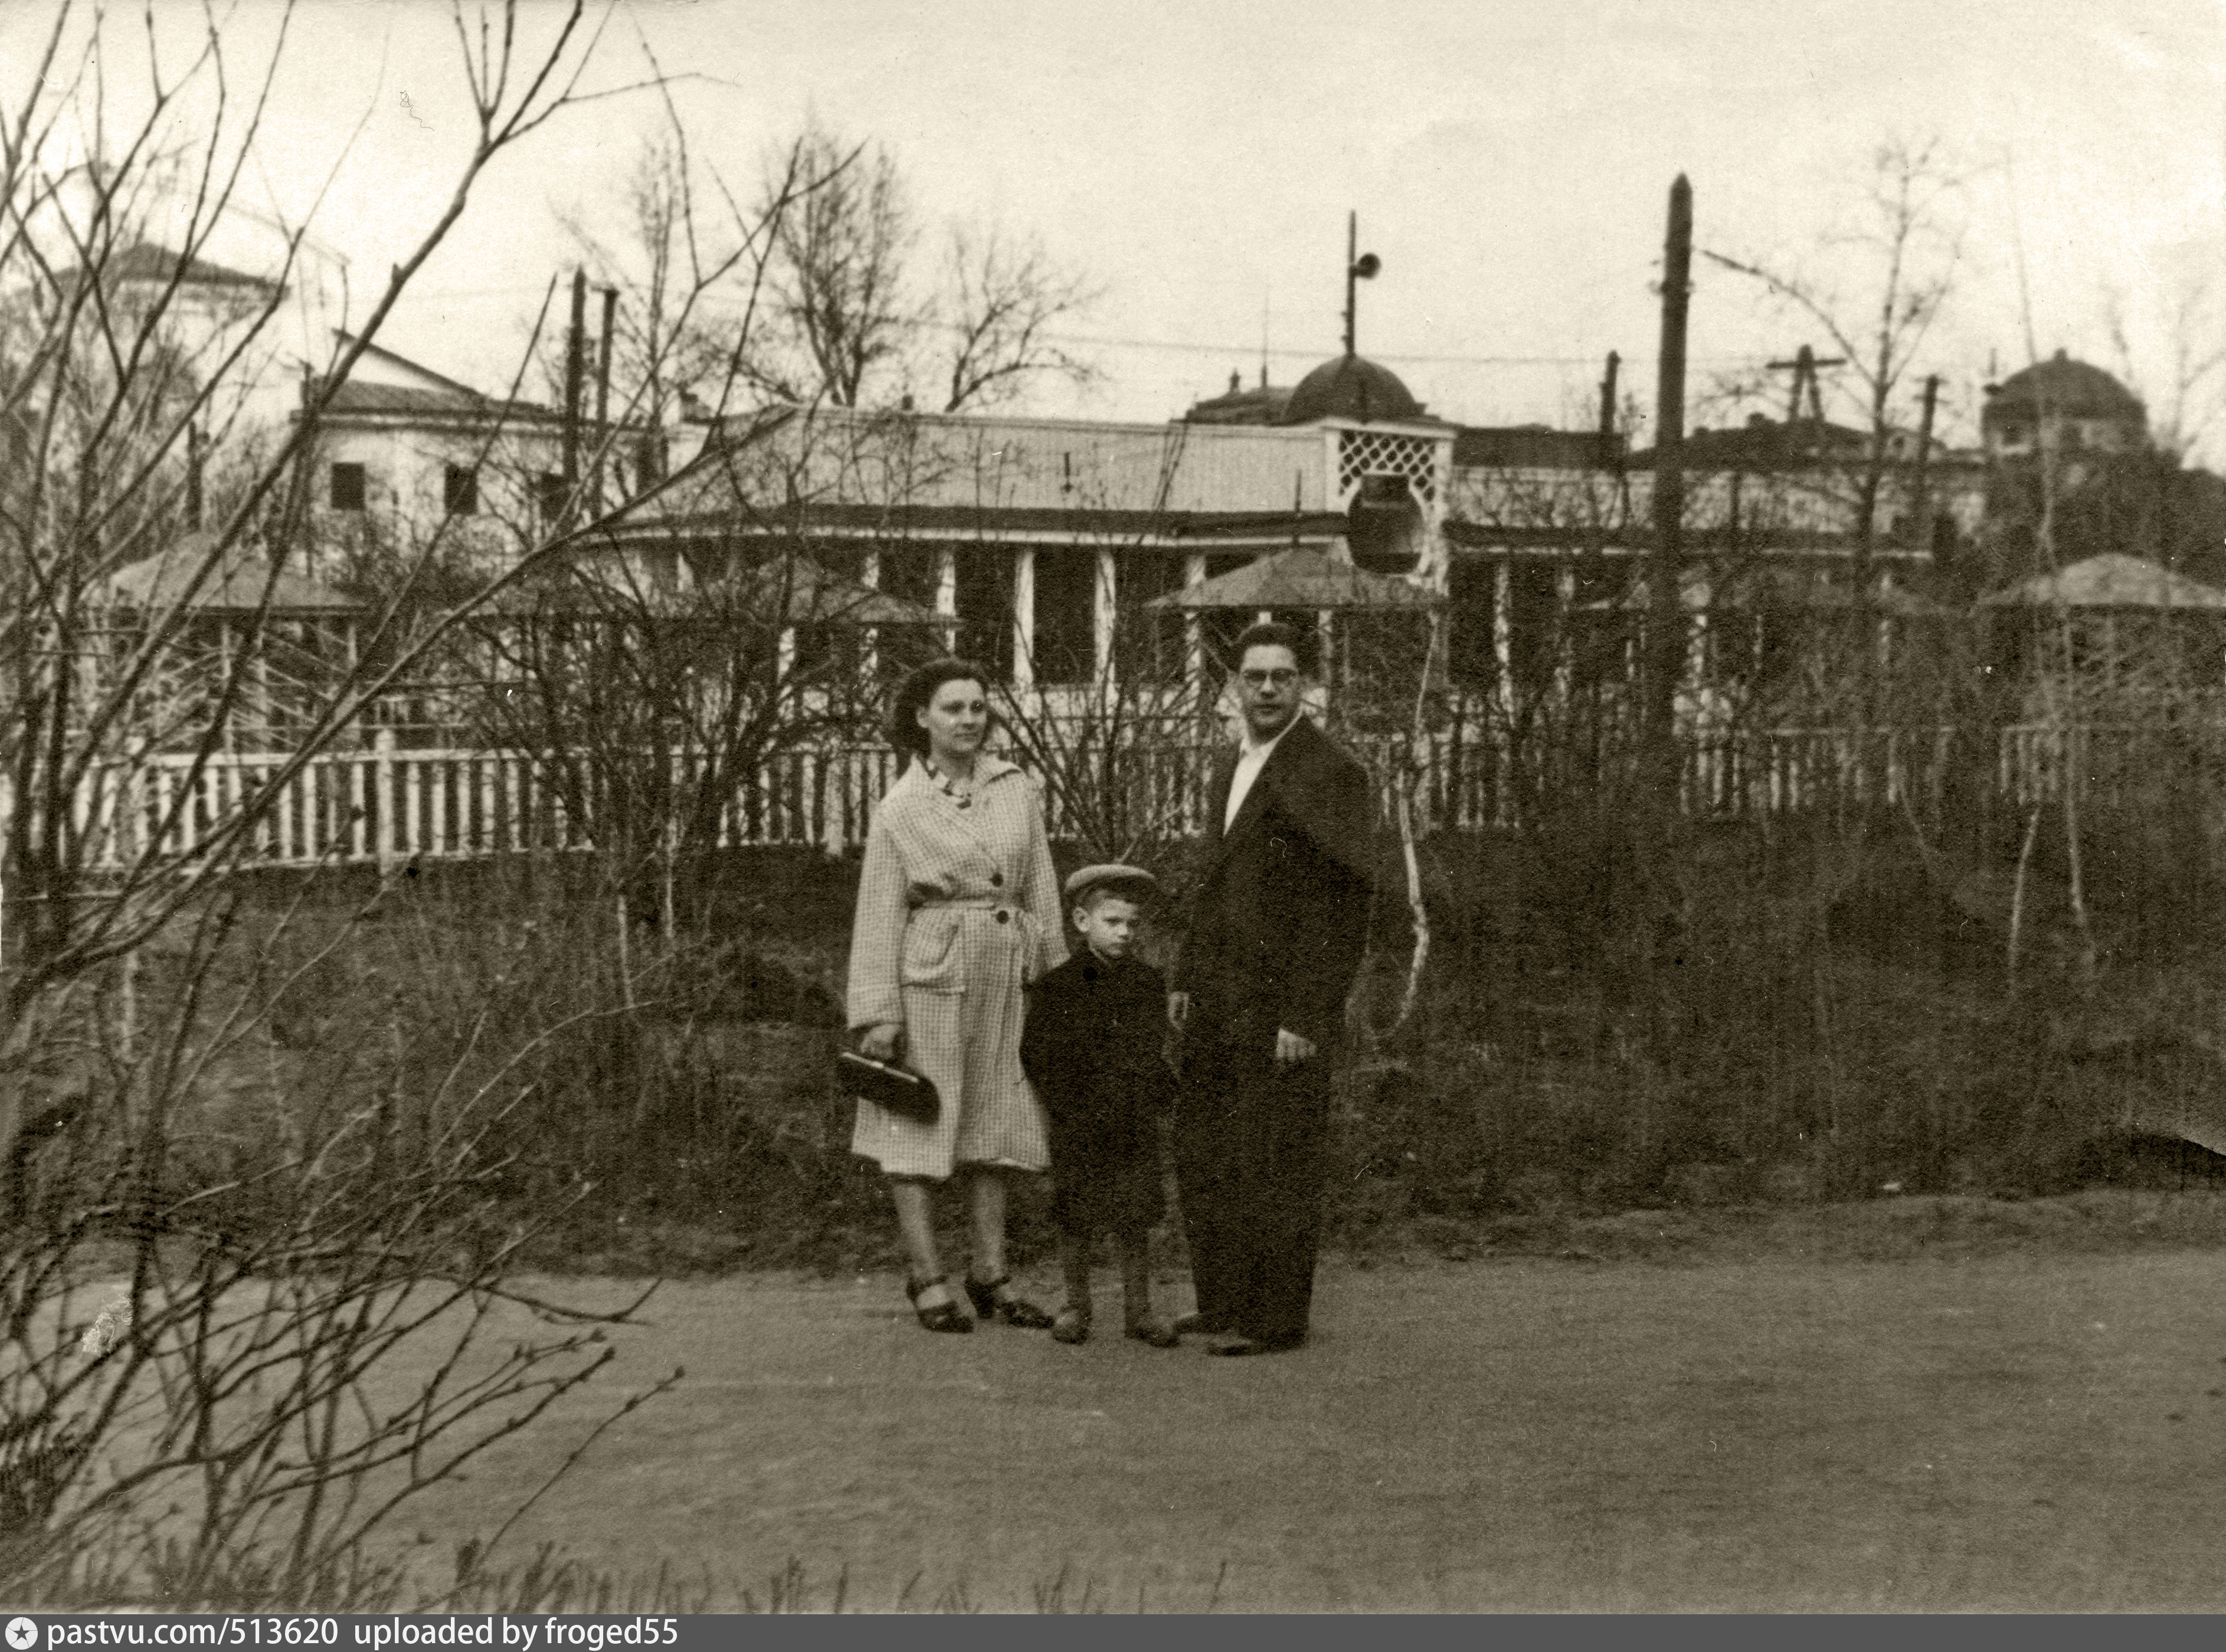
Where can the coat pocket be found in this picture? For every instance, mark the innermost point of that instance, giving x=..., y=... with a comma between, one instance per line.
x=933, y=961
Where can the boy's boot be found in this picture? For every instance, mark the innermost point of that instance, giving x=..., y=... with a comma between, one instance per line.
x=1136, y=1293
x=1071, y=1322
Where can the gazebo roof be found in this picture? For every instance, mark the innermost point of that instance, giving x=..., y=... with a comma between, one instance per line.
x=813, y=594
x=804, y=591
x=238, y=584
x=1305, y=577
x=2112, y=580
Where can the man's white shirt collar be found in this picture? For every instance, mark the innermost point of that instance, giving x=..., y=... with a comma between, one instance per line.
x=1252, y=756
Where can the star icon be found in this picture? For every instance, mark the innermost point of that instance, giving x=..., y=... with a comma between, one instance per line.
x=22, y=1634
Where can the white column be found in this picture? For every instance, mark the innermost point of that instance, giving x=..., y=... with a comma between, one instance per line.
x=1565, y=605
x=1104, y=610
x=1193, y=627
x=869, y=639
x=1024, y=620
x=946, y=590
x=1502, y=587
x=1697, y=655
x=946, y=581
x=387, y=842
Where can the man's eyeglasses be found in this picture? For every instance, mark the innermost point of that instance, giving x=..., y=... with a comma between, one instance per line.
x=1283, y=677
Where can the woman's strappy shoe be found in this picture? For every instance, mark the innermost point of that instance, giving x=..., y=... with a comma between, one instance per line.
x=944, y=1316
x=995, y=1300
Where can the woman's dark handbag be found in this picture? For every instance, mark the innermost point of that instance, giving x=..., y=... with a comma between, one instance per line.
x=900, y=1089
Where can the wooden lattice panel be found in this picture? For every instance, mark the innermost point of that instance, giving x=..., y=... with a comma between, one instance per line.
x=1380, y=453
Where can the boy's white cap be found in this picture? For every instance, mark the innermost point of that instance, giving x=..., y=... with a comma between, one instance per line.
x=1081, y=883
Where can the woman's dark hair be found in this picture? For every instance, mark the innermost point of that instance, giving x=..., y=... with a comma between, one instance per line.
x=917, y=688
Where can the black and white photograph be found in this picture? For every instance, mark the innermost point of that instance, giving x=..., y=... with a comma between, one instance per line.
x=1271, y=808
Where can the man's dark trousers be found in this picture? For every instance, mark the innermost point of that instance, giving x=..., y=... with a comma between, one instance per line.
x=1248, y=1151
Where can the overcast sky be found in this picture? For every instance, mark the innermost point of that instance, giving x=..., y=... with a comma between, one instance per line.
x=1509, y=162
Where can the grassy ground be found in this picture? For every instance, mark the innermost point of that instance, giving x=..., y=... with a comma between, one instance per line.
x=1915, y=1404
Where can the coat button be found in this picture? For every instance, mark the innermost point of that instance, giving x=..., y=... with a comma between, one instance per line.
x=1003, y=917
x=996, y=881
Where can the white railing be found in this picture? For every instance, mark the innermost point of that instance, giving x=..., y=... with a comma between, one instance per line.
x=388, y=806
x=2107, y=763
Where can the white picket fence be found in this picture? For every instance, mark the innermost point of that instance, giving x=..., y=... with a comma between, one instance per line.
x=388, y=806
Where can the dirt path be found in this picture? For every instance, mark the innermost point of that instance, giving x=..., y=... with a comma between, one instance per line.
x=2013, y=1432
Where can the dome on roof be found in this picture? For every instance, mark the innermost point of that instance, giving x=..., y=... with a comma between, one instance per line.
x=1349, y=387
x=2063, y=385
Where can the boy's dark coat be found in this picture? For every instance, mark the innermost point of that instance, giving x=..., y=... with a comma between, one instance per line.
x=1092, y=1046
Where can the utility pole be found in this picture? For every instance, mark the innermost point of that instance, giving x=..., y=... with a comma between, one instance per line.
x=1665, y=630
x=576, y=347
x=1804, y=366
x=1359, y=266
x=196, y=464
x=603, y=400
x=1647, y=900
x=1921, y=506
x=1607, y=451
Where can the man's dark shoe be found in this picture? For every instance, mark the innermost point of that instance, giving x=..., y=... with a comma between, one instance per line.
x=1151, y=1330
x=1240, y=1347
x=1195, y=1325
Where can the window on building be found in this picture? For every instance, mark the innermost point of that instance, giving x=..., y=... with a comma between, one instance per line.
x=1150, y=642
x=1533, y=627
x=1472, y=660
x=908, y=571
x=1065, y=599
x=348, y=487
x=460, y=490
x=1603, y=626
x=1223, y=626
x=549, y=497
x=985, y=605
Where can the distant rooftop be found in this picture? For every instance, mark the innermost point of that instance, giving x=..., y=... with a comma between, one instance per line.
x=2062, y=384
x=1343, y=387
x=410, y=400
x=1352, y=387
x=431, y=396
x=1529, y=446
x=1765, y=444
x=1262, y=404
x=149, y=263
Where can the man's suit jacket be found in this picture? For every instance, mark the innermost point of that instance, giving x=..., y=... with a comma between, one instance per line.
x=1280, y=918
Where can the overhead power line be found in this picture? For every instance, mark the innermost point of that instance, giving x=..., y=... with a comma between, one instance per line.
x=1252, y=351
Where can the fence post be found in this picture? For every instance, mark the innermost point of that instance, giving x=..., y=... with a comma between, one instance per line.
x=834, y=789
x=386, y=840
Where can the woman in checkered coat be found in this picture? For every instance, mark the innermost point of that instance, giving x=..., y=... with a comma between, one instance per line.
x=958, y=912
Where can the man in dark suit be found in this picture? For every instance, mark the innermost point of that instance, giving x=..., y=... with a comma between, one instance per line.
x=1277, y=928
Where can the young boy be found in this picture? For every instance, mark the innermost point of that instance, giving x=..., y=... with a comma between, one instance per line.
x=1092, y=1047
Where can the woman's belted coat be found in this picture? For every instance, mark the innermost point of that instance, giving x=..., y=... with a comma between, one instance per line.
x=958, y=912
